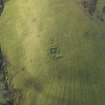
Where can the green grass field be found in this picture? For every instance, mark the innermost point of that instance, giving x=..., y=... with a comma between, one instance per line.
x=56, y=52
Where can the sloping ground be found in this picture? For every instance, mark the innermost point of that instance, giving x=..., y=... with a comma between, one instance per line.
x=55, y=51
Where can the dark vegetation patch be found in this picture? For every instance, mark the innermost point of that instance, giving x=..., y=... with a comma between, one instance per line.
x=36, y=84
x=6, y=1
x=99, y=17
x=103, y=10
x=60, y=100
x=16, y=96
x=89, y=5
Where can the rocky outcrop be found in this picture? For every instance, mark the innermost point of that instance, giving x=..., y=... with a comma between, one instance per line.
x=1, y=6
x=5, y=92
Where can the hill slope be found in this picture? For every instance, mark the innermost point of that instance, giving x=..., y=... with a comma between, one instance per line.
x=55, y=51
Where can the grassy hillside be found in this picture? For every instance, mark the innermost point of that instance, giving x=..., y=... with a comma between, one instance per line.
x=55, y=50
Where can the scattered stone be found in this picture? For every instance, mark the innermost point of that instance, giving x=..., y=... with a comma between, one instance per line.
x=55, y=53
x=53, y=50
